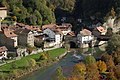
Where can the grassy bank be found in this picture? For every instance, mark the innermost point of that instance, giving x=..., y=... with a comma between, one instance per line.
x=29, y=63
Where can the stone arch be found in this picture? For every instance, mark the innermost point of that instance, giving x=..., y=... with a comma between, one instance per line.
x=72, y=44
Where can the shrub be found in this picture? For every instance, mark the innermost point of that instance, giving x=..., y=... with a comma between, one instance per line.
x=31, y=62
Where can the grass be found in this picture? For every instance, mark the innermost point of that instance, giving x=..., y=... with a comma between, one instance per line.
x=23, y=61
x=56, y=52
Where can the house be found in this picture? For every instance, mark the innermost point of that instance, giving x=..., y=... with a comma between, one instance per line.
x=50, y=33
x=25, y=37
x=3, y=12
x=65, y=28
x=9, y=39
x=85, y=36
x=98, y=31
x=3, y=52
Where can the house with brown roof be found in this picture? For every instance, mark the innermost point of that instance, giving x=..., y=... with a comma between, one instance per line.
x=3, y=52
x=85, y=36
x=98, y=31
x=25, y=37
x=65, y=28
x=8, y=38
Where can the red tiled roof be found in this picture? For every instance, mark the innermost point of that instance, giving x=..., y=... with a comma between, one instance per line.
x=66, y=24
x=50, y=26
x=9, y=33
x=63, y=28
x=71, y=33
x=85, y=32
x=32, y=28
x=3, y=48
x=100, y=29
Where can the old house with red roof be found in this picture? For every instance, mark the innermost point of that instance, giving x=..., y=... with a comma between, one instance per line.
x=25, y=37
x=85, y=36
x=8, y=38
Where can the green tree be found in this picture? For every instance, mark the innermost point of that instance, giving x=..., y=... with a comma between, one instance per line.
x=90, y=59
x=59, y=74
x=39, y=17
x=109, y=32
x=113, y=44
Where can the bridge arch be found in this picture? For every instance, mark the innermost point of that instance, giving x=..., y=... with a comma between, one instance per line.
x=72, y=44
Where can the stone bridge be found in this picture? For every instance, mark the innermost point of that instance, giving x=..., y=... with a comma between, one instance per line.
x=72, y=41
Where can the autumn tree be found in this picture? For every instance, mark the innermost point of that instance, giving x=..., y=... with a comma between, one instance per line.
x=92, y=72
x=117, y=71
x=76, y=78
x=79, y=69
x=101, y=66
x=109, y=61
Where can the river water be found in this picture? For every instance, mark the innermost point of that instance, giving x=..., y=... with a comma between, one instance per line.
x=66, y=63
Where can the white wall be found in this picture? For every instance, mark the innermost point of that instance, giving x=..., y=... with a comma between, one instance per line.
x=84, y=38
x=57, y=38
x=4, y=55
x=15, y=41
x=3, y=13
x=30, y=39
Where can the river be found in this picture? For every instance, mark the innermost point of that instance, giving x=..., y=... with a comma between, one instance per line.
x=66, y=63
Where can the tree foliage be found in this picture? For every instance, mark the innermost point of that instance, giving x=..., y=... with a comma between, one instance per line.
x=113, y=43
x=59, y=74
x=102, y=67
x=90, y=60
x=79, y=69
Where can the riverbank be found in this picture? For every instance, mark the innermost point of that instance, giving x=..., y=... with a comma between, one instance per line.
x=29, y=64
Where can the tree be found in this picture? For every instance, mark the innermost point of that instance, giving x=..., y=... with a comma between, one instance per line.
x=43, y=57
x=39, y=17
x=31, y=62
x=117, y=71
x=92, y=72
x=90, y=59
x=79, y=69
x=102, y=67
x=59, y=74
x=113, y=44
x=109, y=32
x=113, y=12
x=116, y=57
x=109, y=61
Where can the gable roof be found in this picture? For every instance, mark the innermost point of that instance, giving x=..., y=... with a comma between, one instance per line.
x=50, y=26
x=100, y=29
x=67, y=24
x=85, y=32
x=9, y=33
x=22, y=31
x=71, y=33
x=3, y=48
